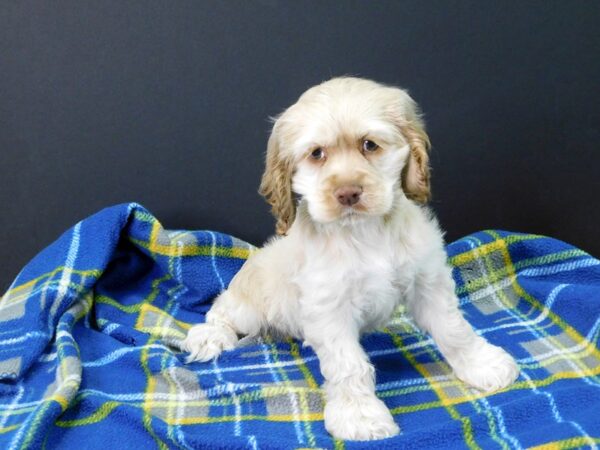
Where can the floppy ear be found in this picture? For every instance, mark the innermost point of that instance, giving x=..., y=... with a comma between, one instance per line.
x=276, y=184
x=415, y=175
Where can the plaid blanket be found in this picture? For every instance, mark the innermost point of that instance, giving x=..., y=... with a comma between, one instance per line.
x=90, y=356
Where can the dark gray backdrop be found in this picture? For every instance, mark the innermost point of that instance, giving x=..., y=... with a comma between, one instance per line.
x=166, y=103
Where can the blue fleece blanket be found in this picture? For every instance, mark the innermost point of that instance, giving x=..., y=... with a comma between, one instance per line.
x=90, y=335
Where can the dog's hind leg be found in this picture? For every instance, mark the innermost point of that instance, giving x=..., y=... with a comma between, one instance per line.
x=229, y=317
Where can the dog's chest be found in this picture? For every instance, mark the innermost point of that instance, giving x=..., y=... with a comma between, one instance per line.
x=375, y=289
x=366, y=281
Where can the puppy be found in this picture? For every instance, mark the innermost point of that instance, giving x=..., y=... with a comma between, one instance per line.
x=347, y=176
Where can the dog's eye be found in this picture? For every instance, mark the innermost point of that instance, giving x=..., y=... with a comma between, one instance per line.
x=369, y=146
x=317, y=154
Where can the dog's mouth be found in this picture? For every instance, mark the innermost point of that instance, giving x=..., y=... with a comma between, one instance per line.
x=370, y=206
x=329, y=208
x=349, y=215
x=354, y=210
x=335, y=213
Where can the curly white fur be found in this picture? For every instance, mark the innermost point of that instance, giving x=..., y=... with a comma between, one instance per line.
x=341, y=269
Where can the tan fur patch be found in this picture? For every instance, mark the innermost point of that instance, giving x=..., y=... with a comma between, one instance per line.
x=276, y=185
x=416, y=173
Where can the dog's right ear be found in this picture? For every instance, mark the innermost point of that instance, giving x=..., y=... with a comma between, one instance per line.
x=276, y=183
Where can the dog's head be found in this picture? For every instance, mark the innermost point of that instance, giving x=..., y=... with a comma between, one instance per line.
x=348, y=146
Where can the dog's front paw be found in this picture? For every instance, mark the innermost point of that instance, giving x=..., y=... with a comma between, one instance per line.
x=361, y=419
x=488, y=368
x=206, y=341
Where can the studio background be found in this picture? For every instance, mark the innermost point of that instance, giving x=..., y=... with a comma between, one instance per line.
x=166, y=103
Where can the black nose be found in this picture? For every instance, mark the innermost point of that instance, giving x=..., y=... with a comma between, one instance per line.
x=348, y=195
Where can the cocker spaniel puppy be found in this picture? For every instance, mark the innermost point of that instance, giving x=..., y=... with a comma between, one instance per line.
x=347, y=176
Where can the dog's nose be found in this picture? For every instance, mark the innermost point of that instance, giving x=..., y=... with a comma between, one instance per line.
x=348, y=195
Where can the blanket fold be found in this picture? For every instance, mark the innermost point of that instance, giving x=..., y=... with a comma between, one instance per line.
x=90, y=334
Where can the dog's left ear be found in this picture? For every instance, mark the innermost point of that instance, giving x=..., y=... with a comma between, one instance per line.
x=416, y=173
